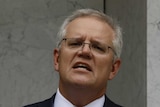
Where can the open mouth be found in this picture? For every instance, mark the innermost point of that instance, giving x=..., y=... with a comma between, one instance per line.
x=83, y=66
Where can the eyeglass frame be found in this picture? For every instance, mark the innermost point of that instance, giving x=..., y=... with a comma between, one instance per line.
x=90, y=45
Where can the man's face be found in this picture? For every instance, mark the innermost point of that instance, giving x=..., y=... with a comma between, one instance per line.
x=83, y=67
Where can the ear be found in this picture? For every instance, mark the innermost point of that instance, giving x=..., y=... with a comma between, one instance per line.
x=115, y=68
x=56, y=59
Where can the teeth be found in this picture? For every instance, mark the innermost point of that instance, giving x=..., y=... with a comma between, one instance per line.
x=82, y=66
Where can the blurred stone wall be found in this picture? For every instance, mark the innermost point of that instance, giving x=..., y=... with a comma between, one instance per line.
x=28, y=30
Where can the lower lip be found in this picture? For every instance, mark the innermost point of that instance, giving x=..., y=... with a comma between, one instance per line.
x=81, y=69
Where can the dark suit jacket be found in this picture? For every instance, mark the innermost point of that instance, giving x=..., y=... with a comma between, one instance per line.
x=50, y=102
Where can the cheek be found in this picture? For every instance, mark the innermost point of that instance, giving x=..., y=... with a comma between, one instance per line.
x=104, y=67
x=65, y=59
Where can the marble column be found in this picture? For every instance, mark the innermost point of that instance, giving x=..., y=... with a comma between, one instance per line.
x=153, y=53
x=27, y=37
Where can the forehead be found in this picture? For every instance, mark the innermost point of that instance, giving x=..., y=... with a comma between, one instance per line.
x=90, y=26
x=90, y=19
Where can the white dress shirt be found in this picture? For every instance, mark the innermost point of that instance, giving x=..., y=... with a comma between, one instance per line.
x=60, y=101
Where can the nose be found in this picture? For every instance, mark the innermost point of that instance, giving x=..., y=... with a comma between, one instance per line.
x=85, y=51
x=86, y=47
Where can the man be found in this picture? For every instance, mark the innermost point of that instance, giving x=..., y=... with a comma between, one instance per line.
x=87, y=56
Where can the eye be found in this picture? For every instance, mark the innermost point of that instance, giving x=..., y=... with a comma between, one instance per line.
x=74, y=43
x=99, y=48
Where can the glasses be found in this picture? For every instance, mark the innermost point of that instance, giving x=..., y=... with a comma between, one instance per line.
x=95, y=47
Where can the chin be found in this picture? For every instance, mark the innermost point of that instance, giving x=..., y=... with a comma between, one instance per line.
x=82, y=83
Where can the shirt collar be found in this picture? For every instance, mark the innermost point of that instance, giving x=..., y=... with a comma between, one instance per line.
x=60, y=101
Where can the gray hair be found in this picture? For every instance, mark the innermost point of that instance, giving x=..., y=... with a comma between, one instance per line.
x=117, y=41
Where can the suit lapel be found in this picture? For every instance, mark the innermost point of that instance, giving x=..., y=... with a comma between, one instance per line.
x=109, y=103
x=47, y=103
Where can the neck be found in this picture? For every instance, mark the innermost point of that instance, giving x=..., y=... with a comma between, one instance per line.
x=80, y=96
